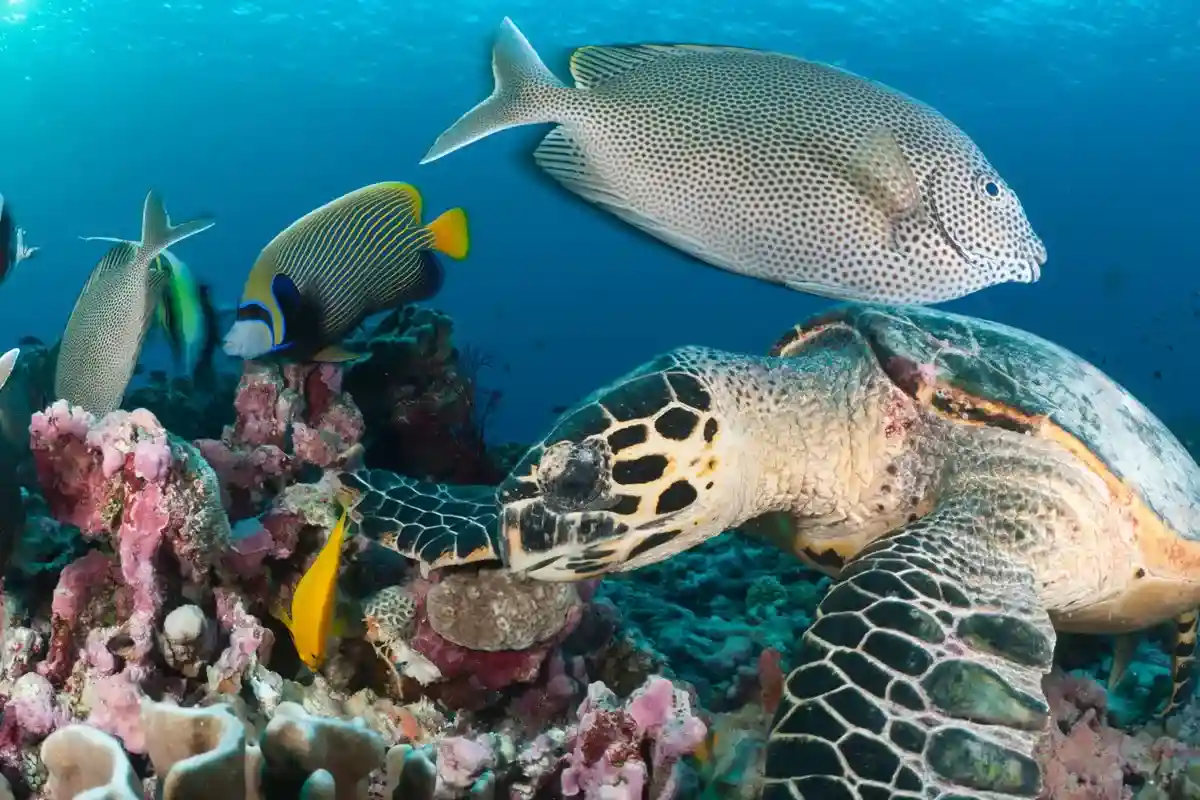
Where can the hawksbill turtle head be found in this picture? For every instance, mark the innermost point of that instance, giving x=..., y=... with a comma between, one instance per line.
x=628, y=477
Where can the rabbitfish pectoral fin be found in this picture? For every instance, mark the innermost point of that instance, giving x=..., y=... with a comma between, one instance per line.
x=880, y=171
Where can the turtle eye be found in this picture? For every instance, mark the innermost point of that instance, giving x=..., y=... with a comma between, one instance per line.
x=573, y=475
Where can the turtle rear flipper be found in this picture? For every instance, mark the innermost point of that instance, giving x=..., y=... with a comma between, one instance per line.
x=437, y=524
x=922, y=673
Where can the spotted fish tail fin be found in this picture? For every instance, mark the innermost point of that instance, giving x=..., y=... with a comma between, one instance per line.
x=524, y=94
x=157, y=231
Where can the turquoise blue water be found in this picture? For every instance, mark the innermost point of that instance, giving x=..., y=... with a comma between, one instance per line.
x=259, y=111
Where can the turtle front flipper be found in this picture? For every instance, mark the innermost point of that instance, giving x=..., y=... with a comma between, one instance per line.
x=1183, y=661
x=922, y=673
x=437, y=524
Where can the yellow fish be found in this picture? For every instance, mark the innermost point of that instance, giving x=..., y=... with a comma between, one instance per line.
x=363, y=253
x=310, y=620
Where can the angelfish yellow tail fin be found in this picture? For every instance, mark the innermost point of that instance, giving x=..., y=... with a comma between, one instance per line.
x=450, y=233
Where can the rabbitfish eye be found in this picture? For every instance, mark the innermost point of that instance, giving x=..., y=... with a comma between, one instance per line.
x=989, y=186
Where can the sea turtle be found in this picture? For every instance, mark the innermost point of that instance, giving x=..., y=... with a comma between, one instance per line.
x=971, y=487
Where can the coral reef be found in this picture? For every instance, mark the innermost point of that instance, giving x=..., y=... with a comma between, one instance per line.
x=155, y=658
x=421, y=395
x=287, y=417
x=189, y=408
x=709, y=613
x=141, y=656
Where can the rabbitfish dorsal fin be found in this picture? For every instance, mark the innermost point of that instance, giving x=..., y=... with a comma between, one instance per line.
x=592, y=65
x=114, y=263
x=881, y=172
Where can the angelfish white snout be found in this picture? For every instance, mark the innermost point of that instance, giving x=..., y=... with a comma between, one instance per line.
x=248, y=339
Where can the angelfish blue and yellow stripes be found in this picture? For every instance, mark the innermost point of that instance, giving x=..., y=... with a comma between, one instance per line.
x=364, y=252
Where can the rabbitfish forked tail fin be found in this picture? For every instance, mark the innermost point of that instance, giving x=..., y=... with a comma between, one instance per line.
x=7, y=362
x=524, y=94
x=157, y=232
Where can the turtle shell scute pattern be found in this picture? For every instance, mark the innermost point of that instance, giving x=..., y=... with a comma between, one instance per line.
x=498, y=610
x=1038, y=378
x=438, y=524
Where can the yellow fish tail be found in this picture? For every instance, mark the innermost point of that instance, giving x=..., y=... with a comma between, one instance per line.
x=450, y=233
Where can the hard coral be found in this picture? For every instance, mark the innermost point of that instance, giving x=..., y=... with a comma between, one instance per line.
x=299, y=742
x=197, y=752
x=125, y=480
x=421, y=394
x=200, y=753
x=494, y=609
x=86, y=763
x=710, y=612
x=473, y=674
x=287, y=416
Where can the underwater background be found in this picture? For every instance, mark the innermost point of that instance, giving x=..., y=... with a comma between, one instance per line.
x=191, y=566
x=259, y=111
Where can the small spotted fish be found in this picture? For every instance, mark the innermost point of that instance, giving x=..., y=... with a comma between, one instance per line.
x=107, y=326
x=767, y=165
x=362, y=253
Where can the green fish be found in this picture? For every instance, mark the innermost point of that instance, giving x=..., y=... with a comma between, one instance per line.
x=104, y=335
x=365, y=252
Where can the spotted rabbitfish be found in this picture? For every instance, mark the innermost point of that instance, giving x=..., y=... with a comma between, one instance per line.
x=108, y=325
x=767, y=165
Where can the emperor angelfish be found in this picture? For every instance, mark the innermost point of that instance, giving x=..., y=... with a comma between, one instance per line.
x=362, y=253
x=767, y=165
x=108, y=324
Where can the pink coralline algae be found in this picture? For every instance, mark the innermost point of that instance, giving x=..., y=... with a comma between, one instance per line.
x=249, y=642
x=286, y=417
x=124, y=479
x=606, y=758
x=1083, y=758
